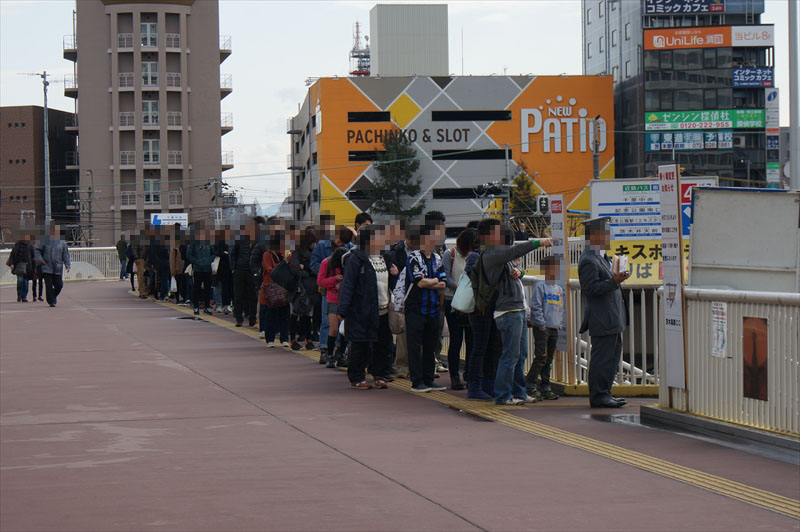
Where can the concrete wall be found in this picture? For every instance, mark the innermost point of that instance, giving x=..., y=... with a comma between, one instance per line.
x=407, y=40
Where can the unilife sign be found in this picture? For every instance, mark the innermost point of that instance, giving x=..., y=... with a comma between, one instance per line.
x=561, y=127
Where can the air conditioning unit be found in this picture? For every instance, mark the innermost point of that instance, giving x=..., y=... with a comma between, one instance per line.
x=739, y=141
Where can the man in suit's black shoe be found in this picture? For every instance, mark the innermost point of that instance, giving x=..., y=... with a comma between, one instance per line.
x=608, y=403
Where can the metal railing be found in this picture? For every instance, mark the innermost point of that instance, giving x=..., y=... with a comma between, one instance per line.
x=150, y=81
x=173, y=80
x=175, y=157
x=150, y=119
x=71, y=158
x=87, y=263
x=715, y=384
x=124, y=41
x=225, y=43
x=175, y=198
x=152, y=157
x=70, y=81
x=125, y=80
x=70, y=42
x=71, y=120
x=127, y=158
x=174, y=118
x=127, y=198
x=226, y=81
x=226, y=119
x=127, y=119
x=227, y=158
x=172, y=40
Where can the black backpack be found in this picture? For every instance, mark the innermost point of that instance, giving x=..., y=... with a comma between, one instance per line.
x=485, y=293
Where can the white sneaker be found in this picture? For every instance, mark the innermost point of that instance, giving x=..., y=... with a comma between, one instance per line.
x=219, y=310
x=285, y=344
x=262, y=335
x=270, y=344
x=530, y=399
x=440, y=367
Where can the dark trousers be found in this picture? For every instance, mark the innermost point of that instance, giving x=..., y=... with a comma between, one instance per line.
x=180, y=284
x=486, y=347
x=460, y=332
x=244, y=296
x=316, y=319
x=421, y=334
x=606, y=354
x=38, y=282
x=300, y=327
x=225, y=285
x=52, y=285
x=542, y=357
x=201, y=294
x=376, y=355
x=163, y=278
x=277, y=323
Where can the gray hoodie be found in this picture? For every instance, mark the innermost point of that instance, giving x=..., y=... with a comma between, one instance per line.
x=547, y=305
x=511, y=295
x=53, y=255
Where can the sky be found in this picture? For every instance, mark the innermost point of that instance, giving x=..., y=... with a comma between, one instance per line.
x=278, y=45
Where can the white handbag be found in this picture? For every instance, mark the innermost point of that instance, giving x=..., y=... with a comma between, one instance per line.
x=214, y=266
x=464, y=298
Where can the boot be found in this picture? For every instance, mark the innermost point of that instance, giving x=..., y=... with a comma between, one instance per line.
x=455, y=383
x=323, y=357
x=487, y=385
x=475, y=393
x=330, y=360
x=330, y=353
x=342, y=357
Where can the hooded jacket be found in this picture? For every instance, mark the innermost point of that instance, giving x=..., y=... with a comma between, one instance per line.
x=358, y=298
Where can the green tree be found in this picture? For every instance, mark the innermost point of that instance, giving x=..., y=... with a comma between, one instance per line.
x=396, y=167
x=523, y=199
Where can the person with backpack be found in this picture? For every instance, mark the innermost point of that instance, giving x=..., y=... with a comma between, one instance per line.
x=305, y=297
x=330, y=279
x=454, y=263
x=424, y=281
x=506, y=303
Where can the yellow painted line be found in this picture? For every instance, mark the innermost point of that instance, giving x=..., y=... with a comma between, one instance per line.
x=500, y=414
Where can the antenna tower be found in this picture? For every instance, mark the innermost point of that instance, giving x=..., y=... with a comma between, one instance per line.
x=359, y=56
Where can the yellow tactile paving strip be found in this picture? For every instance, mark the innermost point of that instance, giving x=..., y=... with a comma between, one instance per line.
x=722, y=486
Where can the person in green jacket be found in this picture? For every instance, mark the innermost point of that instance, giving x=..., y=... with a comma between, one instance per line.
x=200, y=253
x=122, y=245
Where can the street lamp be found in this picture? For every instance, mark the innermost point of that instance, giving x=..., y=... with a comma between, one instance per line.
x=747, y=163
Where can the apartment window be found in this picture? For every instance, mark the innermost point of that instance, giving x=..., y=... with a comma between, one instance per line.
x=613, y=36
x=600, y=9
x=589, y=50
x=152, y=153
x=627, y=69
x=16, y=124
x=314, y=158
x=589, y=16
x=23, y=124
x=9, y=124
x=150, y=112
x=627, y=31
x=602, y=44
x=152, y=191
x=615, y=73
x=613, y=4
x=24, y=161
x=149, y=32
x=150, y=73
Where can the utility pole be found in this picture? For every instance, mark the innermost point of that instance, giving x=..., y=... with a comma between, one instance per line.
x=596, y=148
x=47, y=208
x=91, y=207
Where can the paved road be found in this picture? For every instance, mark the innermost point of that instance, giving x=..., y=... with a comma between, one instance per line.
x=118, y=414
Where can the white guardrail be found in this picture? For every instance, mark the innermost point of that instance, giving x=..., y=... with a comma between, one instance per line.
x=715, y=385
x=87, y=263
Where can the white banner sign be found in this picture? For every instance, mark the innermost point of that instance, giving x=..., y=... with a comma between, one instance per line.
x=671, y=254
x=753, y=35
x=719, y=328
x=169, y=218
x=558, y=231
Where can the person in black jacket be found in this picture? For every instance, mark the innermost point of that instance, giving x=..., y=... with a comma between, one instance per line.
x=159, y=259
x=365, y=312
x=21, y=261
x=245, y=293
x=224, y=272
x=306, y=296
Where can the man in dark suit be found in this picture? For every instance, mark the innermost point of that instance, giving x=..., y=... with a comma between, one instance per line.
x=604, y=313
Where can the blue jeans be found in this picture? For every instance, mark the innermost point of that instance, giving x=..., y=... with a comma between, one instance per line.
x=122, y=273
x=325, y=325
x=22, y=287
x=510, y=380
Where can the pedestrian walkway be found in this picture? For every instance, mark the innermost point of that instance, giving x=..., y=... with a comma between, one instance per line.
x=118, y=413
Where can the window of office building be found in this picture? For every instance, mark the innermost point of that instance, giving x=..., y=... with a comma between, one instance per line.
x=150, y=112
x=150, y=74
x=689, y=100
x=152, y=191
x=152, y=151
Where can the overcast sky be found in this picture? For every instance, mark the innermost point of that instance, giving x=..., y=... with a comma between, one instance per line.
x=277, y=45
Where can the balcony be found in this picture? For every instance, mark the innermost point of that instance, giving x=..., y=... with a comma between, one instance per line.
x=224, y=47
x=149, y=82
x=71, y=123
x=125, y=80
x=176, y=198
x=127, y=199
x=226, y=122
x=173, y=41
x=150, y=120
x=71, y=160
x=174, y=80
x=175, y=158
x=227, y=160
x=127, y=119
x=291, y=164
x=152, y=201
x=127, y=159
x=291, y=129
x=70, y=48
x=125, y=41
x=174, y=119
x=225, y=85
x=71, y=86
